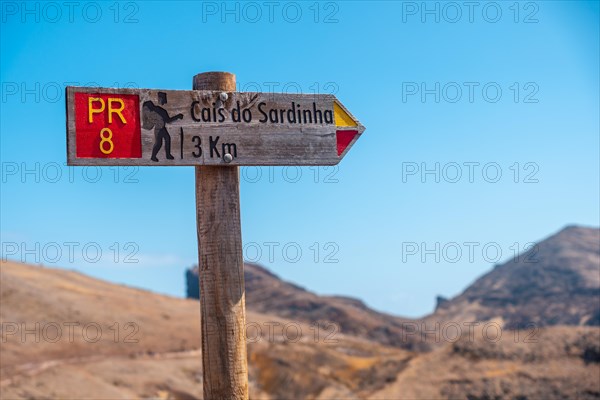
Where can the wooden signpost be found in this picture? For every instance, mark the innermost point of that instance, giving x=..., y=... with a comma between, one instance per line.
x=206, y=127
x=216, y=129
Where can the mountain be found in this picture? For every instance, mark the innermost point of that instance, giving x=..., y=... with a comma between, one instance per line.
x=557, y=282
x=267, y=293
x=128, y=343
x=66, y=335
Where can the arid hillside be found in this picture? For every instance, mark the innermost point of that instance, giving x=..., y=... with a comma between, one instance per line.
x=557, y=282
x=267, y=293
x=66, y=335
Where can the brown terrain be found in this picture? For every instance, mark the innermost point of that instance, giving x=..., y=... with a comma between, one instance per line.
x=522, y=331
x=266, y=293
x=557, y=282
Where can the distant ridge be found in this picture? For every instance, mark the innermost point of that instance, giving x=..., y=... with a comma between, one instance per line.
x=555, y=283
x=163, y=359
x=267, y=293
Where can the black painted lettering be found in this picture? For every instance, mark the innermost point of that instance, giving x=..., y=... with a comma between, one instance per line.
x=228, y=147
x=273, y=116
x=235, y=113
x=291, y=114
x=304, y=114
x=264, y=114
x=197, y=143
x=247, y=115
x=317, y=113
x=205, y=114
x=193, y=111
x=213, y=146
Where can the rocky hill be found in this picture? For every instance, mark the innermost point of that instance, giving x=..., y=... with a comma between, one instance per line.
x=127, y=343
x=267, y=293
x=69, y=336
x=66, y=335
x=557, y=282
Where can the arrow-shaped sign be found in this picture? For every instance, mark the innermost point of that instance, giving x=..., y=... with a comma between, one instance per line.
x=197, y=127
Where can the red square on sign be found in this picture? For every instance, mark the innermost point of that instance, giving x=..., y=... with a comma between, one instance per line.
x=107, y=125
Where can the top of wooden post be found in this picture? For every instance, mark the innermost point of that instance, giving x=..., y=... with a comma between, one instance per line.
x=215, y=81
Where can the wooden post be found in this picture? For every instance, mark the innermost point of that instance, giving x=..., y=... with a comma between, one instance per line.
x=305, y=129
x=221, y=270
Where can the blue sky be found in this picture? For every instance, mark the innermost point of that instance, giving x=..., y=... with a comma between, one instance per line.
x=501, y=100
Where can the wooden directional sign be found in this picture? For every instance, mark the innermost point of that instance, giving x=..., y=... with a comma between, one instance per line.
x=204, y=127
x=209, y=129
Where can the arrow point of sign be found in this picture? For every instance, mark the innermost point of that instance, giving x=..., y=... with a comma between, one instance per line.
x=342, y=118
x=344, y=138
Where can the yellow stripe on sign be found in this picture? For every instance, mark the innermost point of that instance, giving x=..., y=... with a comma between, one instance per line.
x=341, y=117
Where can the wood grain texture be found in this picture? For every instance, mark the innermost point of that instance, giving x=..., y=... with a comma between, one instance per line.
x=257, y=143
x=221, y=272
